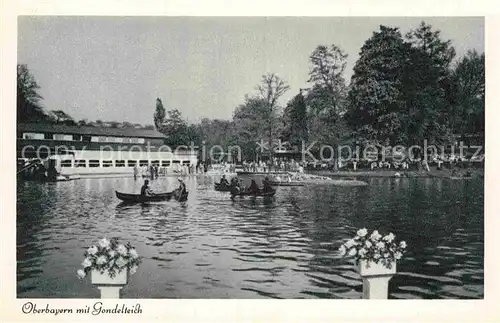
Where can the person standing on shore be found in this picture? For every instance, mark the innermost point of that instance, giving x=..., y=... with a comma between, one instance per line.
x=136, y=171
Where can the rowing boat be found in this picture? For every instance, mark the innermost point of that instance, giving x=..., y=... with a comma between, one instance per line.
x=276, y=183
x=222, y=188
x=156, y=197
x=266, y=194
x=138, y=198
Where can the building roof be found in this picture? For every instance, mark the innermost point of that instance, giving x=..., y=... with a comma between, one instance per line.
x=85, y=130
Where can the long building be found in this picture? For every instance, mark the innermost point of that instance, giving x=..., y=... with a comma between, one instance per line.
x=94, y=151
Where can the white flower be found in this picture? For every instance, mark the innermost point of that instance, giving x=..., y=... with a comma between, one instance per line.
x=87, y=263
x=133, y=270
x=342, y=250
x=133, y=253
x=380, y=245
x=352, y=252
x=92, y=250
x=120, y=262
x=362, y=252
x=80, y=273
x=389, y=237
x=402, y=244
x=350, y=243
x=376, y=256
x=122, y=250
x=398, y=255
x=101, y=260
x=112, y=253
x=362, y=232
x=104, y=243
x=375, y=236
x=386, y=255
x=368, y=244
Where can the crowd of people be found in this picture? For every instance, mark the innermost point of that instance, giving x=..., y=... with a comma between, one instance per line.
x=153, y=170
x=273, y=165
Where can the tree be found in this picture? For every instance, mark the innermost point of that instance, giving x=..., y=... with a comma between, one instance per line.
x=427, y=86
x=375, y=96
x=175, y=128
x=251, y=124
x=159, y=116
x=127, y=125
x=63, y=118
x=468, y=100
x=327, y=75
x=272, y=87
x=115, y=124
x=28, y=98
x=83, y=122
x=295, y=121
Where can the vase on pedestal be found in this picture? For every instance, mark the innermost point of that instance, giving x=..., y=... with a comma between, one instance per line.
x=376, y=278
x=109, y=286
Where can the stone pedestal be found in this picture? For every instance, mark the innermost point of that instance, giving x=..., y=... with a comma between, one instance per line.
x=375, y=279
x=109, y=287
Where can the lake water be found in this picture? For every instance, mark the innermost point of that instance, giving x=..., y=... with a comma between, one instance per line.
x=213, y=247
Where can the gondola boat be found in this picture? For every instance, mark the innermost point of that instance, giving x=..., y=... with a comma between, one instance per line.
x=275, y=183
x=266, y=194
x=222, y=188
x=138, y=198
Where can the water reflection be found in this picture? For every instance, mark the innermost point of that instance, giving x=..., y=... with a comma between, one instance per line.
x=280, y=247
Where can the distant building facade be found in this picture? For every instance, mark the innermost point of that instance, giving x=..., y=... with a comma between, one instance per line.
x=84, y=150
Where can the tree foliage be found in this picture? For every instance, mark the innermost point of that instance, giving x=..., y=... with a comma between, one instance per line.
x=295, y=119
x=327, y=76
x=468, y=100
x=375, y=95
x=63, y=118
x=271, y=88
x=160, y=114
x=426, y=86
x=28, y=98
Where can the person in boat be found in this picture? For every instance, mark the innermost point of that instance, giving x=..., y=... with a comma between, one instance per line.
x=182, y=187
x=253, y=188
x=267, y=185
x=235, y=185
x=146, y=190
x=223, y=181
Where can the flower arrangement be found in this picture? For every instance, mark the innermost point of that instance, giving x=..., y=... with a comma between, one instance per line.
x=374, y=247
x=110, y=255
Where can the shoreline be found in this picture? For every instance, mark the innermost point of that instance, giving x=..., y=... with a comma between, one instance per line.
x=433, y=173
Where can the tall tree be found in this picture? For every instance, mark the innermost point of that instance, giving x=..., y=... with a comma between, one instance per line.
x=28, y=98
x=251, y=125
x=427, y=86
x=271, y=88
x=160, y=114
x=375, y=96
x=295, y=121
x=327, y=76
x=175, y=128
x=468, y=99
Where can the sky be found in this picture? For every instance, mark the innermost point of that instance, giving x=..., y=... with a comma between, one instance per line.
x=114, y=68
